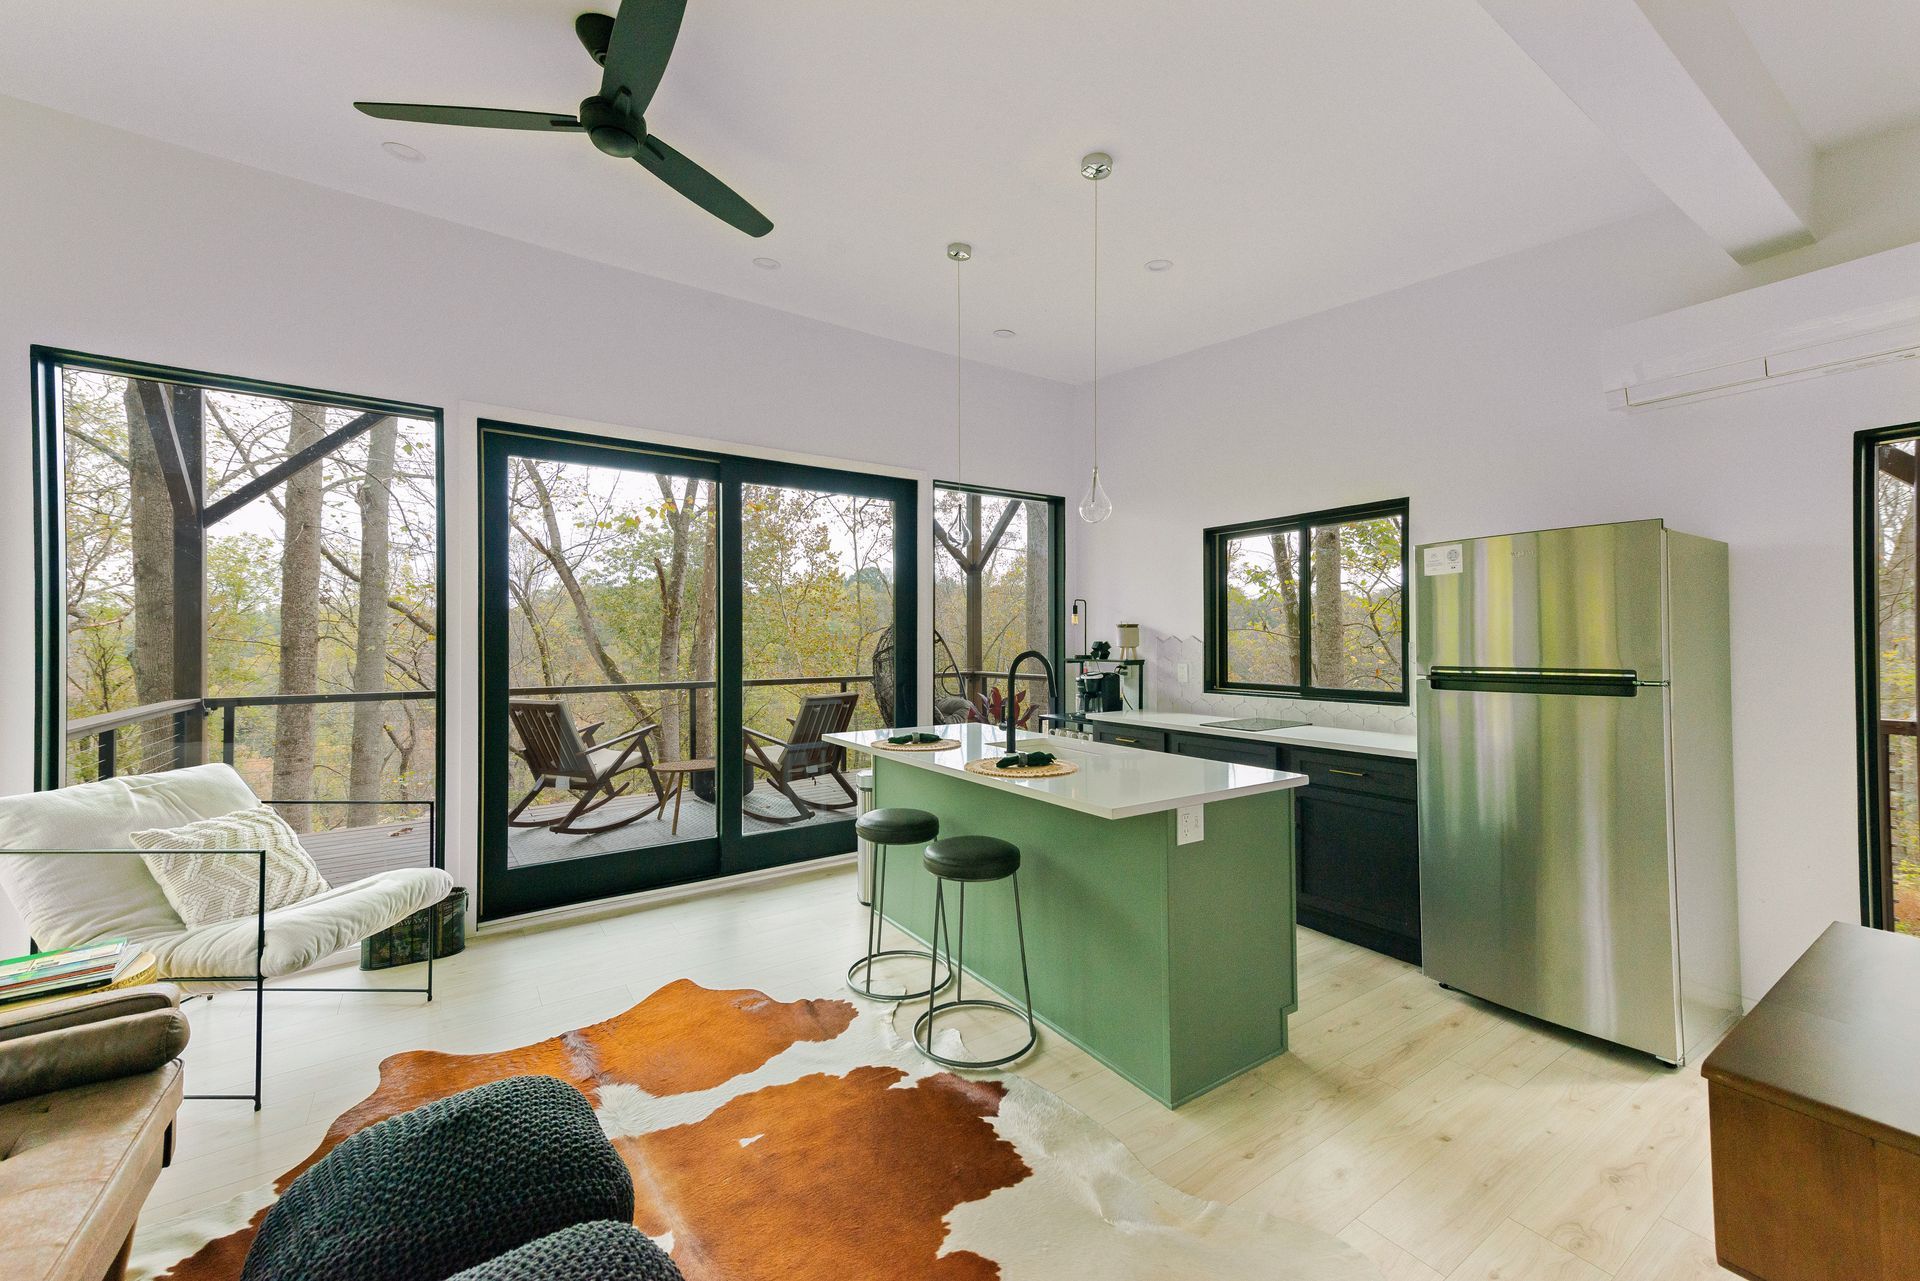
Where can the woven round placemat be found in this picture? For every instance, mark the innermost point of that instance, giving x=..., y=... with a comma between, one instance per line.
x=991, y=770
x=944, y=745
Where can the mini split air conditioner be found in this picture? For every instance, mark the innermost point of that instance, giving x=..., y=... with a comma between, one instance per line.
x=1861, y=313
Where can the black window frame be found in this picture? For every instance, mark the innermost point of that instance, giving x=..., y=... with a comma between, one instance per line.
x=1872, y=749
x=49, y=534
x=1214, y=567
x=506, y=892
x=1056, y=559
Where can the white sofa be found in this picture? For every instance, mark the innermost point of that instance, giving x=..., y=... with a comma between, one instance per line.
x=67, y=865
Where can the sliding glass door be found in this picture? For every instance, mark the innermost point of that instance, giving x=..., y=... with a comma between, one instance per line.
x=826, y=576
x=667, y=636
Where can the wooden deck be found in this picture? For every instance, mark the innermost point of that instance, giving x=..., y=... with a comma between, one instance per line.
x=349, y=853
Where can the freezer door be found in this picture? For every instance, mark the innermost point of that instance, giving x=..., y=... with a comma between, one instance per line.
x=1586, y=598
x=1545, y=865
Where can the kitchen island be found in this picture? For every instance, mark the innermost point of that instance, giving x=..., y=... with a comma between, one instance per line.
x=1170, y=961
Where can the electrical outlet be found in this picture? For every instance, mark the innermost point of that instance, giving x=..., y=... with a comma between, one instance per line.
x=1180, y=671
x=1193, y=824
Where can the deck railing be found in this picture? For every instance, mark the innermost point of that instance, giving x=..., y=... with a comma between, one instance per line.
x=184, y=715
x=186, y=718
x=104, y=729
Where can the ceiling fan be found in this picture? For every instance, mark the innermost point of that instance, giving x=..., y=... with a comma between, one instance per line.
x=633, y=49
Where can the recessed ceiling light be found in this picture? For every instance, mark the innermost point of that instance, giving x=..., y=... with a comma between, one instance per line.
x=1003, y=333
x=1160, y=264
x=401, y=151
x=767, y=264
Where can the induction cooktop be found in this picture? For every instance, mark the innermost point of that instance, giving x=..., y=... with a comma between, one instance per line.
x=1254, y=725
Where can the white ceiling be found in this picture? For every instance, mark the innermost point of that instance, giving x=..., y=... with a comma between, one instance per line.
x=1288, y=155
x=1849, y=68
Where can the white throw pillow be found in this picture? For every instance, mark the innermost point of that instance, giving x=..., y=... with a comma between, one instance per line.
x=204, y=889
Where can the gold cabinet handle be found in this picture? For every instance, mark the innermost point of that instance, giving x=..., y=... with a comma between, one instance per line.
x=1118, y=739
x=1348, y=773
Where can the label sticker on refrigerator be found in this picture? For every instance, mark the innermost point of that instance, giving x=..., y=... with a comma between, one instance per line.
x=1446, y=558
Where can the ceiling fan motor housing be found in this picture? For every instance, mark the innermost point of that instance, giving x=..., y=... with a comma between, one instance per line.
x=616, y=132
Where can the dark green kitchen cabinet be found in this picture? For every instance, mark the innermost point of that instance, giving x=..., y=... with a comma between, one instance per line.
x=1359, y=865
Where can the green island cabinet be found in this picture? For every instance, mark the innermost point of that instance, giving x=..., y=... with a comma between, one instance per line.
x=1172, y=964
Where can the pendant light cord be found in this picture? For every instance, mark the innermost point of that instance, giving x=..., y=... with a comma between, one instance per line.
x=959, y=464
x=1096, y=328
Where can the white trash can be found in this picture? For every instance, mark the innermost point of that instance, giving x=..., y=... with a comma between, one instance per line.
x=863, y=855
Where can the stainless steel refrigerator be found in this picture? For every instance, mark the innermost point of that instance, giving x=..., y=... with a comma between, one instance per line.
x=1576, y=793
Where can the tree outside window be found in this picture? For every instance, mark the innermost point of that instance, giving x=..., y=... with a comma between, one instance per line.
x=252, y=560
x=996, y=593
x=1312, y=605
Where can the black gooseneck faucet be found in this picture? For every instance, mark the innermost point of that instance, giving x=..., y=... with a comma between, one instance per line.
x=1053, y=689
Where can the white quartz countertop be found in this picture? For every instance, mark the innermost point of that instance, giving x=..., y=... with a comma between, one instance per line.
x=1112, y=782
x=1368, y=742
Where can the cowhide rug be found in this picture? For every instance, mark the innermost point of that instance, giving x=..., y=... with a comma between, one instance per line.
x=807, y=1141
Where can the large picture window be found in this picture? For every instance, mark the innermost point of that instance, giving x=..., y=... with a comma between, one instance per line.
x=240, y=572
x=1311, y=605
x=997, y=590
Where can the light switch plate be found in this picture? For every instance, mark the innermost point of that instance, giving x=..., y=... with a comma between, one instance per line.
x=1193, y=824
x=1180, y=671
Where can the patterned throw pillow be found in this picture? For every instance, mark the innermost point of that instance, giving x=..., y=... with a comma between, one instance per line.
x=206, y=889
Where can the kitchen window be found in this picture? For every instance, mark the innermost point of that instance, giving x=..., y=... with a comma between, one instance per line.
x=1312, y=606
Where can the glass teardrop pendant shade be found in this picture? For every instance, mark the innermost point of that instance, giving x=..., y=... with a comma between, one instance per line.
x=1096, y=506
x=957, y=529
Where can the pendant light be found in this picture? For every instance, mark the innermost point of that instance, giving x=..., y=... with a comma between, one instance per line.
x=957, y=530
x=1096, y=506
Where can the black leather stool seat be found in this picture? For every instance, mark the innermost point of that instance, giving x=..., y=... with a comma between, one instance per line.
x=972, y=858
x=897, y=825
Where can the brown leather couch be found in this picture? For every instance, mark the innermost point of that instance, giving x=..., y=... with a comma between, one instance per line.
x=88, y=1091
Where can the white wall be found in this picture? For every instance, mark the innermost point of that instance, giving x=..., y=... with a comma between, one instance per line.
x=1478, y=396
x=120, y=246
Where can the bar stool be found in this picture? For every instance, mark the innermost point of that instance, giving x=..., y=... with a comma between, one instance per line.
x=881, y=828
x=964, y=859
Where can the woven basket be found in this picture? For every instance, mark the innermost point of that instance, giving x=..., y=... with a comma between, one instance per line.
x=944, y=745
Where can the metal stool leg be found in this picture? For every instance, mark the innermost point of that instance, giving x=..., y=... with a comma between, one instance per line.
x=876, y=935
x=923, y=1027
x=1026, y=983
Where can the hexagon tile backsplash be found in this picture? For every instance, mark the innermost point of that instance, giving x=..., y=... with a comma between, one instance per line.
x=1167, y=693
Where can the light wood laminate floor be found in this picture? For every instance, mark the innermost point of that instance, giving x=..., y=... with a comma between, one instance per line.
x=1442, y=1136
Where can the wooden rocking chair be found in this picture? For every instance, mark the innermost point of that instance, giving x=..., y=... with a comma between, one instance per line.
x=805, y=756
x=562, y=757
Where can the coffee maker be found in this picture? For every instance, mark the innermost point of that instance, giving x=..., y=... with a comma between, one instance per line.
x=1098, y=692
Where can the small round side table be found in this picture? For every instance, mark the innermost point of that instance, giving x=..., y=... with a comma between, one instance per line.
x=675, y=773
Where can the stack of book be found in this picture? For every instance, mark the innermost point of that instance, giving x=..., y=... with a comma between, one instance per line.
x=71, y=969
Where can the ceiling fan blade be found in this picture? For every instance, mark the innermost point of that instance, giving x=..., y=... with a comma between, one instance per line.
x=637, y=52
x=701, y=187
x=475, y=117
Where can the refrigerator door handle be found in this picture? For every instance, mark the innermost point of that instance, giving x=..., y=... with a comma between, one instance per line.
x=1603, y=683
